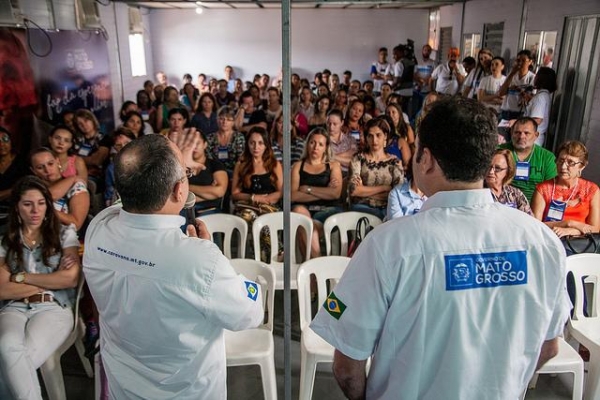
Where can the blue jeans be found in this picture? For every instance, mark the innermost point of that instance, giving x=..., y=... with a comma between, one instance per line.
x=376, y=211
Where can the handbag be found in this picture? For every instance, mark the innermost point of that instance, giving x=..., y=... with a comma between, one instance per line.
x=363, y=227
x=249, y=211
x=589, y=243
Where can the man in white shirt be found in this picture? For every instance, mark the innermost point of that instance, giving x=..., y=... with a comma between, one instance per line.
x=448, y=77
x=463, y=300
x=380, y=70
x=164, y=298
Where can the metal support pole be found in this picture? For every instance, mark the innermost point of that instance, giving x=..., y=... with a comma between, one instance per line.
x=287, y=244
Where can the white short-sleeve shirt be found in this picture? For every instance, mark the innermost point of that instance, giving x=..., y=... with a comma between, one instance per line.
x=454, y=302
x=539, y=107
x=164, y=300
x=445, y=82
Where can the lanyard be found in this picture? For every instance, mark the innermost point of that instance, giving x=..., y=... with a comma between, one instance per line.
x=570, y=196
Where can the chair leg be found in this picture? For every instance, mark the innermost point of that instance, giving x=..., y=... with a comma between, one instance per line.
x=269, y=380
x=578, y=384
x=533, y=381
x=53, y=378
x=84, y=360
x=308, y=368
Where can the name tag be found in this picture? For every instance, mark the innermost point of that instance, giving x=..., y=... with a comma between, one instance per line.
x=355, y=135
x=84, y=150
x=473, y=271
x=247, y=119
x=223, y=154
x=511, y=205
x=522, y=173
x=556, y=210
x=60, y=204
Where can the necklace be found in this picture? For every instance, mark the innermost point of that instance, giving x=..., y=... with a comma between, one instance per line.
x=32, y=242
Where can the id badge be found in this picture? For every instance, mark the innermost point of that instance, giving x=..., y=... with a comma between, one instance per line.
x=511, y=205
x=222, y=153
x=60, y=204
x=556, y=211
x=84, y=150
x=355, y=135
x=247, y=119
x=522, y=173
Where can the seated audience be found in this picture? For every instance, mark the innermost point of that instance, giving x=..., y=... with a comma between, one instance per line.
x=178, y=121
x=306, y=105
x=248, y=116
x=319, y=117
x=498, y=180
x=12, y=166
x=373, y=172
x=133, y=121
x=70, y=195
x=91, y=144
x=170, y=101
x=226, y=145
x=210, y=184
x=122, y=137
x=343, y=145
x=569, y=204
x=354, y=121
x=61, y=142
x=274, y=107
x=39, y=267
x=189, y=97
x=404, y=199
x=534, y=163
x=205, y=119
x=258, y=176
x=296, y=143
x=317, y=184
x=402, y=138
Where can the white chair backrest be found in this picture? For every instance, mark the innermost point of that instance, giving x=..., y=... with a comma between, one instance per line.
x=585, y=269
x=227, y=224
x=263, y=275
x=345, y=222
x=326, y=269
x=275, y=223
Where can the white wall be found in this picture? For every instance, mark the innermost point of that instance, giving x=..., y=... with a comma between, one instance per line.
x=250, y=40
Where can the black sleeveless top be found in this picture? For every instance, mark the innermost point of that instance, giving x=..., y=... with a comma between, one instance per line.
x=259, y=184
x=317, y=180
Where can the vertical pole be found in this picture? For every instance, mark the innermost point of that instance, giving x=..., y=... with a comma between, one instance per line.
x=287, y=245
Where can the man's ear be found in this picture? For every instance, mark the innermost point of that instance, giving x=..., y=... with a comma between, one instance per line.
x=177, y=193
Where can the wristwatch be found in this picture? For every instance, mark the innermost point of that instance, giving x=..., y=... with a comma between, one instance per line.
x=20, y=277
x=309, y=190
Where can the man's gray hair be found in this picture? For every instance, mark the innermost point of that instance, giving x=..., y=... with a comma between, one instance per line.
x=146, y=170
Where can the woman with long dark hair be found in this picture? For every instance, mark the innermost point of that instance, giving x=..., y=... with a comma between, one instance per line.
x=39, y=267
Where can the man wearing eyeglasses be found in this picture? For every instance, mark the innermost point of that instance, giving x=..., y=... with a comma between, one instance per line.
x=461, y=301
x=534, y=163
x=164, y=298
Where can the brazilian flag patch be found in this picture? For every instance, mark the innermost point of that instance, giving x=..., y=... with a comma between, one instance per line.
x=334, y=306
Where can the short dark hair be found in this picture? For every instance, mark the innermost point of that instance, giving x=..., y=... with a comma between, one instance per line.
x=525, y=52
x=461, y=135
x=245, y=95
x=179, y=110
x=546, y=79
x=145, y=172
x=525, y=120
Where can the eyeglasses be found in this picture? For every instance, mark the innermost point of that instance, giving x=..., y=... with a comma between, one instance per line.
x=569, y=163
x=225, y=119
x=5, y=139
x=497, y=169
x=188, y=174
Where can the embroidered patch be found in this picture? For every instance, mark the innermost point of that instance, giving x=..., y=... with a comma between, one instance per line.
x=472, y=271
x=334, y=306
x=252, y=290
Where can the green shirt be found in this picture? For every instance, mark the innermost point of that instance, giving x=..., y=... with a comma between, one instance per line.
x=542, y=166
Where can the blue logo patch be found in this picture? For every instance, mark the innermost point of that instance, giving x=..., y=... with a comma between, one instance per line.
x=252, y=290
x=471, y=271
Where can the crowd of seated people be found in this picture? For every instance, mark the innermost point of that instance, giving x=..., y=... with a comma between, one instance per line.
x=351, y=149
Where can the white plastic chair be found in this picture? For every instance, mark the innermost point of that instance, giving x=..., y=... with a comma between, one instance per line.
x=51, y=369
x=275, y=223
x=227, y=224
x=566, y=361
x=313, y=348
x=345, y=222
x=256, y=346
x=586, y=330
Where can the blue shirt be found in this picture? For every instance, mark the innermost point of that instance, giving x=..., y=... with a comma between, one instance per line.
x=403, y=201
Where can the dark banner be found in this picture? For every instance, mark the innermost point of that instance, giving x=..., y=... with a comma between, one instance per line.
x=53, y=73
x=76, y=74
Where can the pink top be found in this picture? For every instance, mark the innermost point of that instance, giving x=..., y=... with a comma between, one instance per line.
x=70, y=170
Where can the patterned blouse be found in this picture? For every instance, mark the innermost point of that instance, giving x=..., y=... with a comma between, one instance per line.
x=513, y=197
x=578, y=198
x=388, y=172
x=229, y=154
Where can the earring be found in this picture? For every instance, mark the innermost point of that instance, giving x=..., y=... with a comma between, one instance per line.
x=19, y=219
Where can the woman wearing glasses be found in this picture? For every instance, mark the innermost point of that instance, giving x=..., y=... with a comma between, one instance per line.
x=498, y=179
x=226, y=145
x=569, y=204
